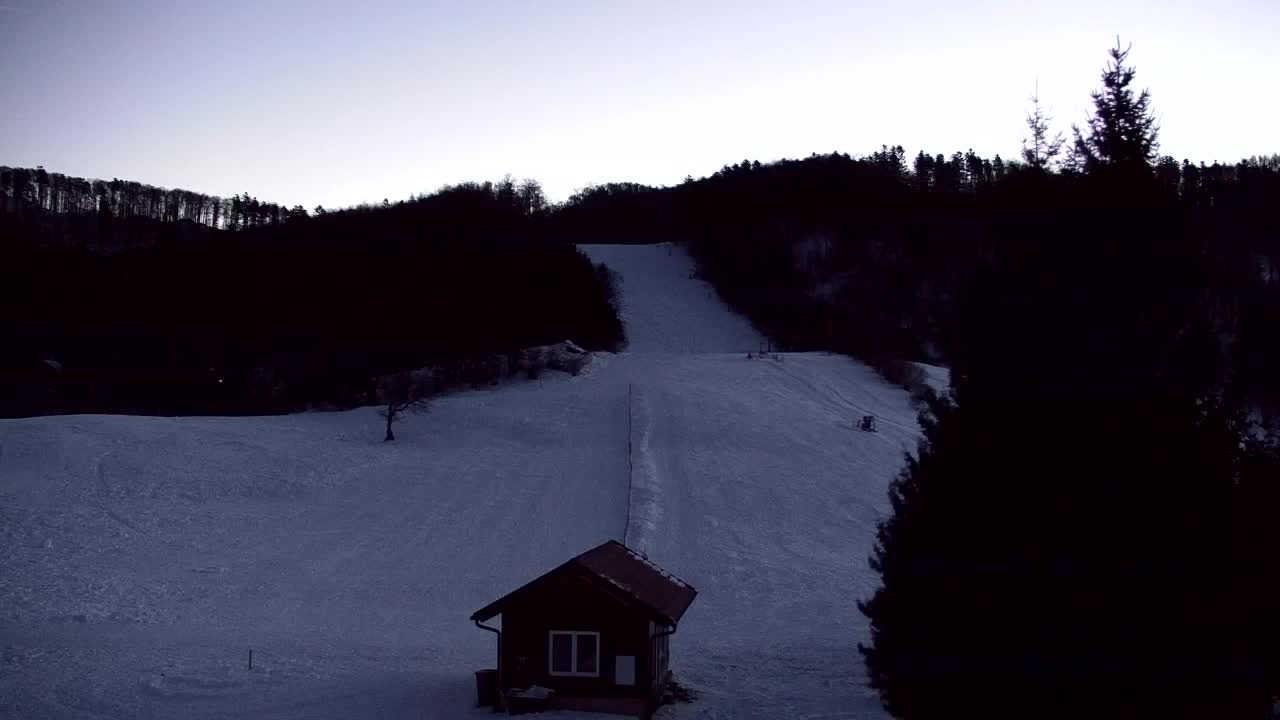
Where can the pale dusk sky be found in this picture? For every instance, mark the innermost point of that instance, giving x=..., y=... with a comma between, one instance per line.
x=339, y=103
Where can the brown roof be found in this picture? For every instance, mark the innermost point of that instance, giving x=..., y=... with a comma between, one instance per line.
x=623, y=568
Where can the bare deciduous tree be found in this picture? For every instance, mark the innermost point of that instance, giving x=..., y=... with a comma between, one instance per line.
x=398, y=396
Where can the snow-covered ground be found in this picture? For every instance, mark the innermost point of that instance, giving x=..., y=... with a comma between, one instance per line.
x=142, y=558
x=665, y=310
x=938, y=378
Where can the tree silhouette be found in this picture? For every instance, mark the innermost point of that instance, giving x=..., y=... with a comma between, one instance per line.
x=892, y=160
x=396, y=393
x=1090, y=558
x=1043, y=148
x=530, y=197
x=923, y=168
x=1122, y=132
x=318, y=309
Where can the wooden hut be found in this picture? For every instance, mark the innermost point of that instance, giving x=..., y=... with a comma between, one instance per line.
x=594, y=630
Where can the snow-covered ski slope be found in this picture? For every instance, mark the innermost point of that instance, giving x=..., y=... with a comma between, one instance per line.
x=665, y=310
x=142, y=558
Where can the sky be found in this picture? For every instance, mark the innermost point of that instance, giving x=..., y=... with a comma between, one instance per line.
x=337, y=103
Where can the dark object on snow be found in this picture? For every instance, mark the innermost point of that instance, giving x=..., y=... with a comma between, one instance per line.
x=868, y=423
x=594, y=630
x=398, y=396
x=677, y=693
x=486, y=687
x=532, y=700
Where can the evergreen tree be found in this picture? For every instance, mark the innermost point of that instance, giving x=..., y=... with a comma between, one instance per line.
x=252, y=210
x=1073, y=162
x=1168, y=174
x=1190, y=186
x=975, y=170
x=505, y=191
x=1122, y=132
x=960, y=171
x=923, y=170
x=900, y=161
x=1071, y=539
x=945, y=176
x=1043, y=148
x=235, y=214
x=892, y=159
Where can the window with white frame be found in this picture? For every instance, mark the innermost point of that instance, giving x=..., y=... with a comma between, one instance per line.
x=574, y=653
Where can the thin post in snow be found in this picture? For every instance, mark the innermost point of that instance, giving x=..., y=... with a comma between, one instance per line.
x=250, y=658
x=626, y=529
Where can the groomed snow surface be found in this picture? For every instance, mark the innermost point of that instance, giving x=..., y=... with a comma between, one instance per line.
x=142, y=558
x=667, y=311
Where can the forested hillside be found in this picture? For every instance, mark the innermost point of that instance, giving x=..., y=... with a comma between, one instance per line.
x=178, y=317
x=36, y=190
x=872, y=256
x=866, y=256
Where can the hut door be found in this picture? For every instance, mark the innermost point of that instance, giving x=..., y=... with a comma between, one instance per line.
x=624, y=669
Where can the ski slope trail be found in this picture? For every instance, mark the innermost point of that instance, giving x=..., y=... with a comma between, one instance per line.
x=141, y=558
x=666, y=310
x=767, y=501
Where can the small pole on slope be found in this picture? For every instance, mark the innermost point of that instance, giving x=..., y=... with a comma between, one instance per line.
x=631, y=471
x=250, y=658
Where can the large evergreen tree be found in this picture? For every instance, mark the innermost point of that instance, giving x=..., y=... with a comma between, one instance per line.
x=1122, y=132
x=1080, y=534
x=1071, y=540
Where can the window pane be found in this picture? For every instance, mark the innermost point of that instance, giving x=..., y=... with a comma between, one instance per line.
x=624, y=672
x=586, y=653
x=561, y=652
